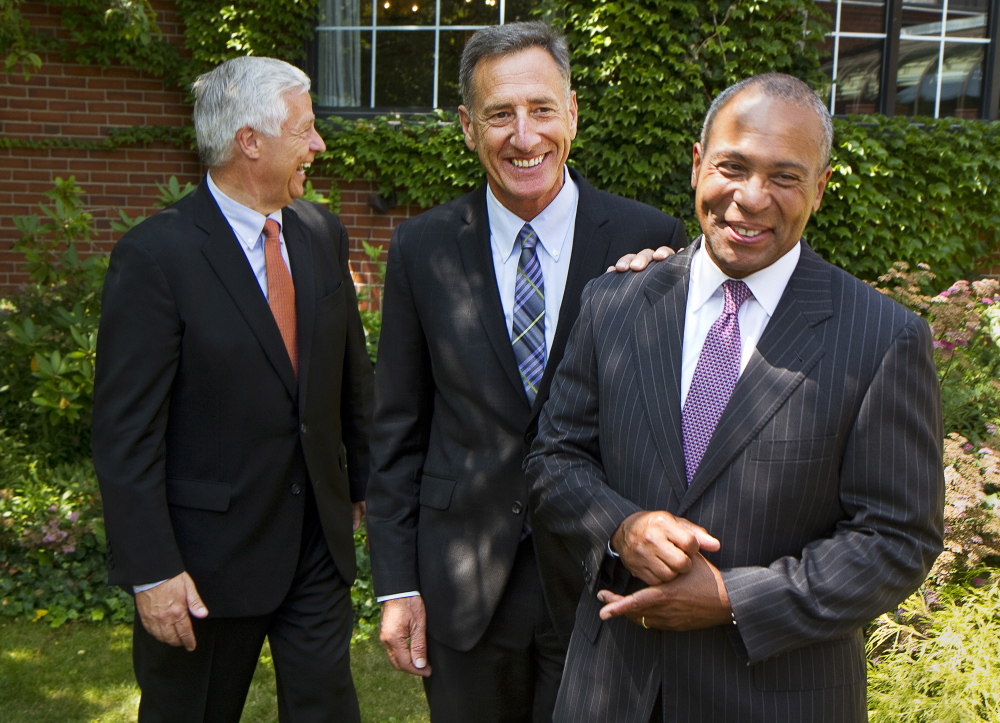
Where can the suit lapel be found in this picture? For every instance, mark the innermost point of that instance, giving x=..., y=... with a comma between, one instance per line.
x=659, y=334
x=786, y=352
x=300, y=256
x=477, y=258
x=222, y=249
x=588, y=261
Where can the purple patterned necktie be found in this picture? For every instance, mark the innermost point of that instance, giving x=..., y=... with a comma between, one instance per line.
x=714, y=377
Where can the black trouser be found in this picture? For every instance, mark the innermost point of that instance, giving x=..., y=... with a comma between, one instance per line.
x=512, y=674
x=309, y=634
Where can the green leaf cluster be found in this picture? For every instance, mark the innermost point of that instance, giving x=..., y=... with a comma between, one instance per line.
x=913, y=190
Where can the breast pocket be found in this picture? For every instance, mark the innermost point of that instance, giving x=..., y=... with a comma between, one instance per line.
x=792, y=450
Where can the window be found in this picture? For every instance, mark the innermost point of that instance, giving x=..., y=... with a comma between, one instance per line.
x=396, y=55
x=913, y=57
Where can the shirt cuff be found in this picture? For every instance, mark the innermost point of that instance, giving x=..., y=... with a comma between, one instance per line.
x=148, y=586
x=386, y=598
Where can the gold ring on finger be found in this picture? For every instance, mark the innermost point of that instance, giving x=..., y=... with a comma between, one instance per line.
x=644, y=622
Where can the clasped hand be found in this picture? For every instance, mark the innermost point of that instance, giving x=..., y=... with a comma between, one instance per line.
x=685, y=590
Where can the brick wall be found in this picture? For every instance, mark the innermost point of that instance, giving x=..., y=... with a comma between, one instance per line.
x=84, y=102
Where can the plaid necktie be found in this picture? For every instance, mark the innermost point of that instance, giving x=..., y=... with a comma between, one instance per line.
x=280, y=291
x=714, y=377
x=528, y=336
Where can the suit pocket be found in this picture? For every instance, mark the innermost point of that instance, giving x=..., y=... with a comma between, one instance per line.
x=331, y=301
x=791, y=450
x=198, y=494
x=435, y=492
x=824, y=665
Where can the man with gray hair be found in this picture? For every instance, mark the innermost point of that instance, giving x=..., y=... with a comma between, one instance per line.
x=743, y=449
x=480, y=295
x=231, y=414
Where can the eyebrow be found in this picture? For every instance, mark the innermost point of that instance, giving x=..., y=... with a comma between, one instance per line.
x=545, y=100
x=743, y=158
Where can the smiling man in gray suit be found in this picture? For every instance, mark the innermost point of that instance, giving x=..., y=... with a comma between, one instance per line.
x=743, y=446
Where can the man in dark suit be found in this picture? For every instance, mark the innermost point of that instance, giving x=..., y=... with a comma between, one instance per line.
x=231, y=418
x=743, y=446
x=479, y=299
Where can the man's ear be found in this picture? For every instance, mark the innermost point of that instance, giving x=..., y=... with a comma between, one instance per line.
x=696, y=158
x=248, y=142
x=821, y=188
x=466, y=118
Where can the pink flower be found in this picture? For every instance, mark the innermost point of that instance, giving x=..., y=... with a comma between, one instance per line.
x=74, y=516
x=978, y=581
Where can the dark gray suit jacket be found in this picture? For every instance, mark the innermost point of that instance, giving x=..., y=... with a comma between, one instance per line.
x=204, y=441
x=447, y=498
x=823, y=483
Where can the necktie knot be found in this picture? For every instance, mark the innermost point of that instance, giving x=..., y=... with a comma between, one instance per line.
x=736, y=293
x=526, y=237
x=272, y=230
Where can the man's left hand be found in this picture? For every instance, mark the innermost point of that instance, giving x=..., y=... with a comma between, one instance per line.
x=696, y=599
x=639, y=261
x=358, y=510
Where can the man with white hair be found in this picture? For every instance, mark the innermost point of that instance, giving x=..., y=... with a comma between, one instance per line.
x=231, y=414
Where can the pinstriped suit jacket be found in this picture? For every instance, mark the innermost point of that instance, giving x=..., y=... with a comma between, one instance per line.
x=823, y=483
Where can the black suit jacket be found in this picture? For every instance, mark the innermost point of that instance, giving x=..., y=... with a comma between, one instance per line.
x=448, y=497
x=823, y=483
x=205, y=444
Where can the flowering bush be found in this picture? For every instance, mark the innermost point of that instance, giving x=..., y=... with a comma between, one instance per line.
x=965, y=322
x=52, y=543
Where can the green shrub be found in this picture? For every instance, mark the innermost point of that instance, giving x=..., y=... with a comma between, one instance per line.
x=937, y=659
x=52, y=543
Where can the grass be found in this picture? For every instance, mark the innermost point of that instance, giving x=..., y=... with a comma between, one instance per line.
x=82, y=673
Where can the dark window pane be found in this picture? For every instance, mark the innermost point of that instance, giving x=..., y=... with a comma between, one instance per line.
x=916, y=80
x=961, y=80
x=861, y=16
x=404, y=12
x=858, y=75
x=404, y=69
x=452, y=43
x=470, y=12
x=922, y=17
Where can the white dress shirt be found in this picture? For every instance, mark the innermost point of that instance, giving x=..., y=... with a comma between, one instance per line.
x=706, y=297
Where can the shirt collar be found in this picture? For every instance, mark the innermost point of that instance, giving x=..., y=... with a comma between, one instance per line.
x=766, y=285
x=551, y=225
x=247, y=224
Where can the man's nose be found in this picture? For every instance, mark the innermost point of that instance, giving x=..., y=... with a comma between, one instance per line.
x=525, y=136
x=752, y=195
x=316, y=144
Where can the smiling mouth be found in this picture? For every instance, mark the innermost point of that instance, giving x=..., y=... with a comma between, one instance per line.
x=303, y=167
x=527, y=162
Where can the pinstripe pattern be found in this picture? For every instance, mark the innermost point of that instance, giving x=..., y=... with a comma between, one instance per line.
x=823, y=483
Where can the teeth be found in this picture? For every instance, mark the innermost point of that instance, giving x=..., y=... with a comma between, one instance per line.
x=747, y=232
x=527, y=163
x=305, y=166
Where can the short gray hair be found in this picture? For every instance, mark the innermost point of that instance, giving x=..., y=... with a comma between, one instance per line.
x=779, y=86
x=497, y=40
x=241, y=92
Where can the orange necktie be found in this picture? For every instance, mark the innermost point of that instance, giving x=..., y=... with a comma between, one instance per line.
x=280, y=291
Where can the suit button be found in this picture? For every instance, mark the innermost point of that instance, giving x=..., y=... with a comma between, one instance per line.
x=296, y=489
x=516, y=508
x=302, y=428
x=530, y=437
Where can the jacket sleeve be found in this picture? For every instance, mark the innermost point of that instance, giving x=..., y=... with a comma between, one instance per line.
x=137, y=356
x=404, y=389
